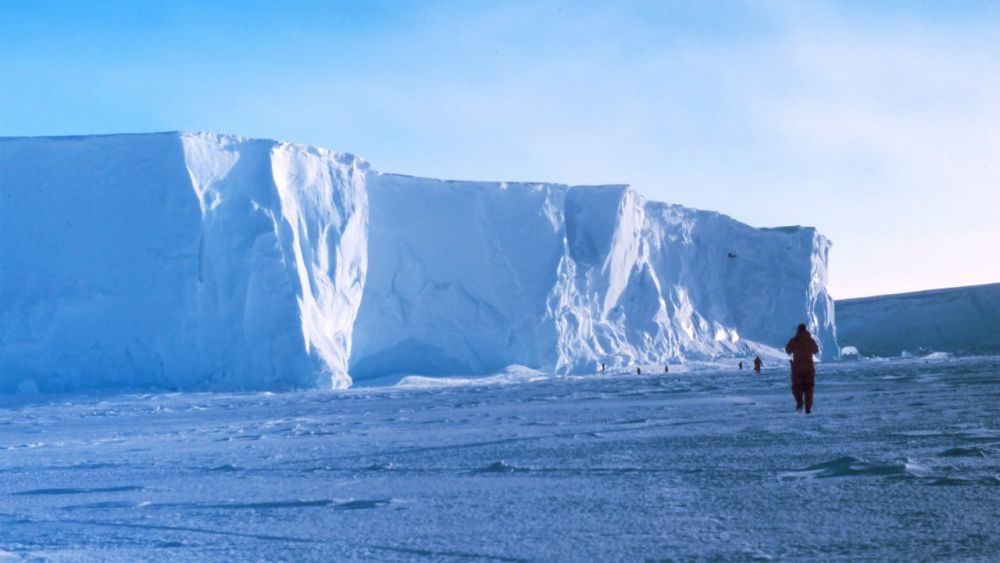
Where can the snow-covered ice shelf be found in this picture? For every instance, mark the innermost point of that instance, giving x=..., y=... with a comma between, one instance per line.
x=961, y=320
x=181, y=261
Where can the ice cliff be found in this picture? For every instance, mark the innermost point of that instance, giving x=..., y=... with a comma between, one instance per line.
x=962, y=320
x=197, y=261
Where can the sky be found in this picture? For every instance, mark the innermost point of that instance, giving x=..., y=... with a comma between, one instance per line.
x=876, y=122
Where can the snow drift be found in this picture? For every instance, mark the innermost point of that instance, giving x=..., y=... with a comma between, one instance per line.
x=962, y=320
x=196, y=261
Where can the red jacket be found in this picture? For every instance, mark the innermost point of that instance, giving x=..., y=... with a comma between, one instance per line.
x=802, y=347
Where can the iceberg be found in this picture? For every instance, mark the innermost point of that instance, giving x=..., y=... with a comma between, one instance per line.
x=203, y=261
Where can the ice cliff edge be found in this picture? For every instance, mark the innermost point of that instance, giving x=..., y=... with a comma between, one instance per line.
x=199, y=261
x=959, y=320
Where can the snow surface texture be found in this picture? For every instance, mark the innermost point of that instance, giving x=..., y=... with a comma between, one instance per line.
x=899, y=462
x=963, y=320
x=197, y=261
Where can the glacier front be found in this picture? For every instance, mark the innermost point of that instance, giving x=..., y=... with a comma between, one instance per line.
x=959, y=320
x=201, y=261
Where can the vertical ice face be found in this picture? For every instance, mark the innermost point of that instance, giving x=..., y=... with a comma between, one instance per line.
x=962, y=320
x=282, y=258
x=99, y=246
x=467, y=277
x=198, y=261
x=647, y=282
x=457, y=277
x=820, y=306
x=177, y=261
x=607, y=304
x=731, y=287
x=240, y=321
x=324, y=204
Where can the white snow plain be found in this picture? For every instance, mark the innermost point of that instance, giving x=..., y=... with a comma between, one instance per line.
x=900, y=462
x=181, y=261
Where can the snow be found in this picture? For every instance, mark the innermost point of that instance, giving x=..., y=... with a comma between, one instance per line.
x=964, y=320
x=189, y=261
x=898, y=462
x=177, y=261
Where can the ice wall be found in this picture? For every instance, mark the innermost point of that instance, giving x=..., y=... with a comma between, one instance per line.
x=962, y=320
x=458, y=276
x=194, y=261
x=177, y=261
x=468, y=277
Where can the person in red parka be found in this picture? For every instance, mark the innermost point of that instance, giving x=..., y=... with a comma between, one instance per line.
x=802, y=347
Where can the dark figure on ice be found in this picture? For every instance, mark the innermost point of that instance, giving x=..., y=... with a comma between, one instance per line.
x=638, y=370
x=602, y=367
x=741, y=364
x=666, y=369
x=802, y=347
x=756, y=364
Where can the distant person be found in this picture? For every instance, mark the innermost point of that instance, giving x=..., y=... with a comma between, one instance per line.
x=602, y=367
x=741, y=364
x=638, y=370
x=756, y=364
x=802, y=347
x=666, y=369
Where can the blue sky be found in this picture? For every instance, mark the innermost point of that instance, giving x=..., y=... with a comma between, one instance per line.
x=875, y=122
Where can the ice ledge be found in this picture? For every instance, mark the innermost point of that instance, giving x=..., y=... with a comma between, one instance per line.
x=226, y=262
